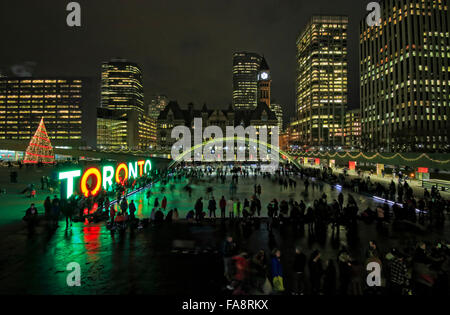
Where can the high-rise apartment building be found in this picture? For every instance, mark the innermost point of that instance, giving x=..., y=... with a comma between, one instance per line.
x=405, y=77
x=122, y=86
x=246, y=67
x=321, y=84
x=353, y=129
x=60, y=101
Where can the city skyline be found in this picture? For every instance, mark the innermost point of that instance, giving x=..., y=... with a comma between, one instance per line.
x=207, y=150
x=180, y=68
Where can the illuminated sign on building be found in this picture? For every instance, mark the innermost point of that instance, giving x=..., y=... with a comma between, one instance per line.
x=102, y=178
x=352, y=165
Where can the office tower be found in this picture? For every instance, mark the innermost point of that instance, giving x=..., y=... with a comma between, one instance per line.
x=405, y=77
x=353, y=128
x=321, y=85
x=246, y=66
x=157, y=105
x=278, y=110
x=264, y=82
x=125, y=130
x=121, y=86
x=60, y=101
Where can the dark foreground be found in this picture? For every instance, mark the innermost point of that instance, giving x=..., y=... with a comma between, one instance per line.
x=149, y=262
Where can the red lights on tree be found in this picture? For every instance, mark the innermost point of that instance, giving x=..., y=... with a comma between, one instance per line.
x=40, y=149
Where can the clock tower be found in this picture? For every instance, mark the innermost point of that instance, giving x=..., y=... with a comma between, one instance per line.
x=264, y=82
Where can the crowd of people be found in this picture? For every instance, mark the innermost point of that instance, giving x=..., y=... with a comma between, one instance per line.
x=413, y=269
x=419, y=268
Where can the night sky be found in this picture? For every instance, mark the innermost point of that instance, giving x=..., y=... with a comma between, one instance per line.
x=184, y=47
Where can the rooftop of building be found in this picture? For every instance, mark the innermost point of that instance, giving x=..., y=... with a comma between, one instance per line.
x=240, y=116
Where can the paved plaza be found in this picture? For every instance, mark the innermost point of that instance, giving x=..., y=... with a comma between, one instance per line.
x=146, y=261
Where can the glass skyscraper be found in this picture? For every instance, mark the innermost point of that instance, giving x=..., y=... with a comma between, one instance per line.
x=122, y=86
x=246, y=66
x=321, y=84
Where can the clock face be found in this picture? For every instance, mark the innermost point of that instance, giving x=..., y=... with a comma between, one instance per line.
x=264, y=75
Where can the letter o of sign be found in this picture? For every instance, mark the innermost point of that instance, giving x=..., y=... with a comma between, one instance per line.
x=147, y=166
x=122, y=166
x=84, y=187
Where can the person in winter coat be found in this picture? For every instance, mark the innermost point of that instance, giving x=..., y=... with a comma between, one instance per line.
x=356, y=276
x=124, y=205
x=237, y=208
x=222, y=205
x=199, y=209
x=315, y=271
x=112, y=213
x=259, y=272
x=164, y=203
x=47, y=207
x=31, y=216
x=212, y=207
x=299, y=272
x=242, y=267
x=230, y=206
x=398, y=275
x=228, y=252
x=277, y=271
x=56, y=209
x=132, y=209
x=241, y=275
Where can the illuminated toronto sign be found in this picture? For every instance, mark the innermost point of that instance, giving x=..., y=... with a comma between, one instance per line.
x=102, y=178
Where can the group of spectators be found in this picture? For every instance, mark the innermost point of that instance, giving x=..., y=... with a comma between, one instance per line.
x=418, y=268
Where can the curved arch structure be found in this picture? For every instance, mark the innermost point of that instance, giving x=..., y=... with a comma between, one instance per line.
x=282, y=153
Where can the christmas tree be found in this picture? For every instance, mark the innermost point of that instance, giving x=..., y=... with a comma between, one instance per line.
x=40, y=148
